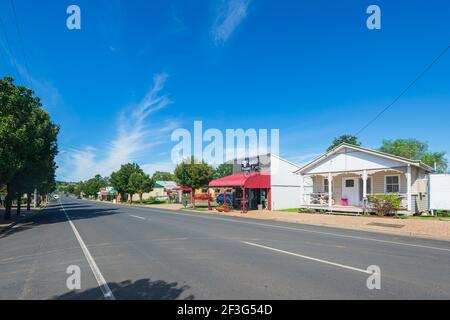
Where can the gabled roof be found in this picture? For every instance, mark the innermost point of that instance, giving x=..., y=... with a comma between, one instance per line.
x=325, y=156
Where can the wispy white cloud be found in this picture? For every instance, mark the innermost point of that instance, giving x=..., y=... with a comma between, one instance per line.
x=166, y=166
x=303, y=159
x=134, y=138
x=48, y=93
x=230, y=15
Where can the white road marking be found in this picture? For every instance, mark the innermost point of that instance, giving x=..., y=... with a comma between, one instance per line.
x=203, y=216
x=308, y=258
x=137, y=217
x=107, y=293
x=303, y=230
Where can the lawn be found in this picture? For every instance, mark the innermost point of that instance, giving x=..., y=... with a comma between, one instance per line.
x=289, y=210
x=150, y=201
x=429, y=218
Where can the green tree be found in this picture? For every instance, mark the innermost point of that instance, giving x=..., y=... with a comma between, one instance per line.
x=79, y=188
x=415, y=150
x=27, y=142
x=345, y=138
x=93, y=186
x=140, y=183
x=163, y=176
x=120, y=179
x=223, y=170
x=193, y=174
x=70, y=188
x=40, y=164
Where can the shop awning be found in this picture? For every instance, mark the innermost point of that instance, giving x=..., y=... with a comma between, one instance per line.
x=252, y=180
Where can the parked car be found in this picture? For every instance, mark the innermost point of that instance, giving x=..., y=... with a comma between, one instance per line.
x=219, y=198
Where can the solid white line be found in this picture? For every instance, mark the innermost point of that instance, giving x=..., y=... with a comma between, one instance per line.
x=137, y=217
x=107, y=293
x=309, y=258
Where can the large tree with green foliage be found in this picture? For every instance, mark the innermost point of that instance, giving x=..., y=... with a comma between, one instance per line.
x=163, y=176
x=120, y=179
x=194, y=174
x=40, y=164
x=92, y=186
x=223, y=170
x=345, y=138
x=27, y=142
x=415, y=150
x=140, y=183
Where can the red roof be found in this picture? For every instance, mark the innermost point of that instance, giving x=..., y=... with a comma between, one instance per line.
x=251, y=180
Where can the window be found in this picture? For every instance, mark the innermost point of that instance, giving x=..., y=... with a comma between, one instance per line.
x=392, y=184
x=326, y=186
x=350, y=183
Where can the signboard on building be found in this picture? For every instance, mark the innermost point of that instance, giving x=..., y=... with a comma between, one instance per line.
x=250, y=164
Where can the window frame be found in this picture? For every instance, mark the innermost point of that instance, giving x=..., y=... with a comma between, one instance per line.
x=349, y=179
x=323, y=185
x=392, y=184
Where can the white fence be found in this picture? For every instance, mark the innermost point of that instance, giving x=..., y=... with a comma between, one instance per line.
x=440, y=191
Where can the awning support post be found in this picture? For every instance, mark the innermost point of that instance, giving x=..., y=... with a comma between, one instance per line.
x=209, y=201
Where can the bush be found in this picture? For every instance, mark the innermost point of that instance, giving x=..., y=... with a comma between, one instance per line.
x=442, y=213
x=385, y=204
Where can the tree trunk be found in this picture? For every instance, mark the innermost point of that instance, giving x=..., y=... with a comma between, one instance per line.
x=28, y=201
x=140, y=198
x=131, y=198
x=19, y=202
x=193, y=197
x=8, y=202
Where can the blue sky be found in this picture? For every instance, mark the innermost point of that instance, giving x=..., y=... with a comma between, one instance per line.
x=137, y=70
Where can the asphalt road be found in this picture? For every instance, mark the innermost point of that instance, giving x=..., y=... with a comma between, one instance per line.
x=139, y=253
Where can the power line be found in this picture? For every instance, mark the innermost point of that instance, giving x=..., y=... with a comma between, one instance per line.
x=2, y=26
x=21, y=41
x=403, y=92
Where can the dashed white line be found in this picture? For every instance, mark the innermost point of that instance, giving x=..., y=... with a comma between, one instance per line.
x=200, y=216
x=137, y=217
x=107, y=293
x=300, y=229
x=308, y=258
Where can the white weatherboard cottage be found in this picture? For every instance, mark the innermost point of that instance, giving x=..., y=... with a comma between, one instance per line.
x=343, y=177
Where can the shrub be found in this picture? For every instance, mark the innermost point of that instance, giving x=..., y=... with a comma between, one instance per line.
x=385, y=204
x=442, y=213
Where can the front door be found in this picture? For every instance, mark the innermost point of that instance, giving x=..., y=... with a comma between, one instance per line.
x=350, y=191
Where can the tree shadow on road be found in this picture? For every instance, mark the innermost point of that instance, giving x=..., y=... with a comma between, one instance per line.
x=54, y=214
x=143, y=289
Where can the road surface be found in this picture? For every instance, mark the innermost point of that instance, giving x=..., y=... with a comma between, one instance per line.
x=140, y=253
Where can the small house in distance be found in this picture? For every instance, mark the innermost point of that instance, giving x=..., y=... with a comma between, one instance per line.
x=161, y=191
